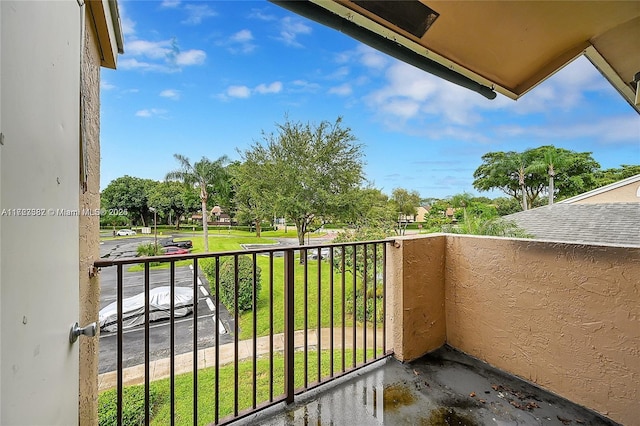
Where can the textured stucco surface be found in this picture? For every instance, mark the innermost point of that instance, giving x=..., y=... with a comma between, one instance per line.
x=564, y=316
x=624, y=194
x=416, y=298
x=90, y=230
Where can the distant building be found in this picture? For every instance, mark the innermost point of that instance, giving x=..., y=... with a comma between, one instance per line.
x=606, y=215
x=624, y=191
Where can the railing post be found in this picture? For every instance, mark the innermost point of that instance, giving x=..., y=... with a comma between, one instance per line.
x=289, y=344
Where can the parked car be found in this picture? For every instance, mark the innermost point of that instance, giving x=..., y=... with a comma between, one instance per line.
x=313, y=254
x=170, y=242
x=174, y=250
x=159, y=308
x=123, y=232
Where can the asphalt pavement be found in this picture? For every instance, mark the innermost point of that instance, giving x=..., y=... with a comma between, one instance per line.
x=160, y=331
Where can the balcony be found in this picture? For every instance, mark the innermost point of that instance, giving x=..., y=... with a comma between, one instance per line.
x=514, y=329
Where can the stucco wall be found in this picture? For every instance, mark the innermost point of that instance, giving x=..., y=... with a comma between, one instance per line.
x=564, y=316
x=416, y=295
x=624, y=194
x=90, y=228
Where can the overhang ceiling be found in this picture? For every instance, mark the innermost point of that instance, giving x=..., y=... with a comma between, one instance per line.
x=506, y=46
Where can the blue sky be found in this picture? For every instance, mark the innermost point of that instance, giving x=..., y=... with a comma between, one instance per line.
x=204, y=78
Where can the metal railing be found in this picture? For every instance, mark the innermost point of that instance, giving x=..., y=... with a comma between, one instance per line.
x=324, y=307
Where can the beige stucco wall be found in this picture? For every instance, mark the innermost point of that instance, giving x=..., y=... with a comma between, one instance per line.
x=564, y=316
x=625, y=194
x=416, y=295
x=90, y=229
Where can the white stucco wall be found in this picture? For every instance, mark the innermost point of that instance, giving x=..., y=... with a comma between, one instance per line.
x=39, y=110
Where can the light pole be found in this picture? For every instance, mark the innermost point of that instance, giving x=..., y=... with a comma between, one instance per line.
x=155, y=229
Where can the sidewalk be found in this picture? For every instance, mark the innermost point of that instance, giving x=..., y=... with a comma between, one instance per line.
x=160, y=369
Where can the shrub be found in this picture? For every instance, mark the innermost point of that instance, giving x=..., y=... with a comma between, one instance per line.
x=227, y=281
x=132, y=405
x=358, y=309
x=148, y=249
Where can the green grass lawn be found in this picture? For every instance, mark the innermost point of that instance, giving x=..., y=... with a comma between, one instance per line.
x=234, y=242
x=216, y=244
x=183, y=413
x=326, y=298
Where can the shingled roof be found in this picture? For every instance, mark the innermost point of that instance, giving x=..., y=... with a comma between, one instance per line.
x=612, y=223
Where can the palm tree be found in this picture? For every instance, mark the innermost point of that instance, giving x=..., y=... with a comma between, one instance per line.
x=517, y=168
x=550, y=163
x=206, y=175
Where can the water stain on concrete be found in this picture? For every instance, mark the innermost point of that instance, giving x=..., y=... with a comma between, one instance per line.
x=397, y=395
x=444, y=416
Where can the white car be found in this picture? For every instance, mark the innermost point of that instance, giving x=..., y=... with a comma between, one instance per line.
x=123, y=232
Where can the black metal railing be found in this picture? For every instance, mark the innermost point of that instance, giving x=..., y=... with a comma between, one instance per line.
x=329, y=325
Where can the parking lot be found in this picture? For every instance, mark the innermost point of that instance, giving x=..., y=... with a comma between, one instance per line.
x=159, y=331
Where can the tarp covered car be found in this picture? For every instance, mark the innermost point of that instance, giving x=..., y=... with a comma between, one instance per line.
x=159, y=308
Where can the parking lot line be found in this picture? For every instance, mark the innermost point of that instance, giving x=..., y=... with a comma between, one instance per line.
x=210, y=304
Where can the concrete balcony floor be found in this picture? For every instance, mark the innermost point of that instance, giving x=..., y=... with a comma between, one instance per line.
x=445, y=387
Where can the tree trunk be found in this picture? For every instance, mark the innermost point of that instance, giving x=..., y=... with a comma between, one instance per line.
x=551, y=190
x=524, y=199
x=257, y=222
x=205, y=225
x=300, y=229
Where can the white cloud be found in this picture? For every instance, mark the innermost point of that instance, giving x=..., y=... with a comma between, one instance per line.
x=565, y=90
x=604, y=130
x=242, y=36
x=263, y=89
x=171, y=94
x=196, y=13
x=410, y=93
x=371, y=58
x=305, y=86
x=191, y=57
x=261, y=15
x=127, y=24
x=240, y=42
x=244, y=92
x=290, y=29
x=153, y=112
x=238, y=91
x=105, y=85
x=339, y=74
x=134, y=64
x=159, y=56
x=342, y=90
x=170, y=3
x=149, y=49
x=363, y=55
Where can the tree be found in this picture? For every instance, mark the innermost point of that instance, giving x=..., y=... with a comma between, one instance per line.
x=168, y=198
x=369, y=207
x=405, y=204
x=366, y=257
x=505, y=171
x=129, y=193
x=206, y=175
x=307, y=172
x=608, y=176
x=507, y=206
x=520, y=176
x=552, y=160
x=249, y=188
x=496, y=227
